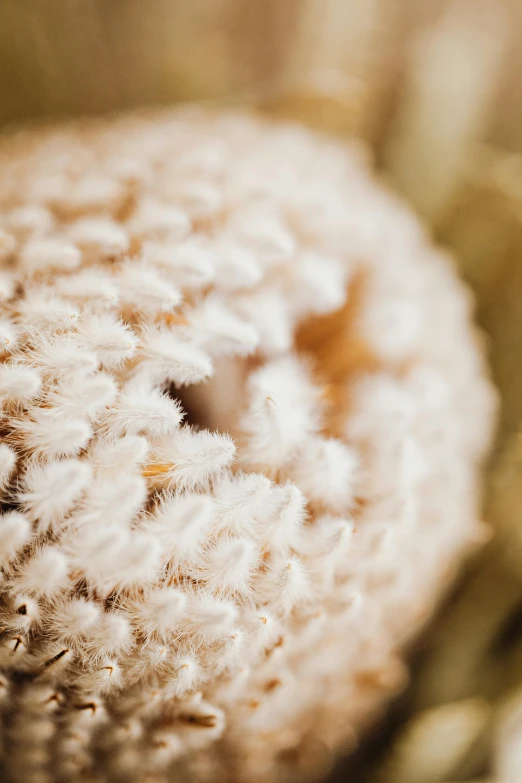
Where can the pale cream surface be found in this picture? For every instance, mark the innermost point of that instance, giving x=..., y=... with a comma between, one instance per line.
x=226, y=597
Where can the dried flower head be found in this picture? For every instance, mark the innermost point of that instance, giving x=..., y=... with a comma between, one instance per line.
x=243, y=411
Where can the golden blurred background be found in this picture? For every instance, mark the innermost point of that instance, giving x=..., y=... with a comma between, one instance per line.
x=435, y=86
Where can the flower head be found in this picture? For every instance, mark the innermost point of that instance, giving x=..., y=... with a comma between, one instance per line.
x=242, y=414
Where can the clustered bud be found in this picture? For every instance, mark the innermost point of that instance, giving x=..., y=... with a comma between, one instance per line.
x=243, y=412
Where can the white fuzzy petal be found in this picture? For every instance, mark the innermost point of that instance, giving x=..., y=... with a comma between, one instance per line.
x=41, y=255
x=160, y=613
x=181, y=524
x=144, y=290
x=118, y=455
x=50, y=491
x=113, y=634
x=98, y=238
x=7, y=284
x=45, y=574
x=8, y=460
x=95, y=552
x=166, y=356
x=186, y=675
x=199, y=199
x=78, y=396
x=41, y=309
x=114, y=499
x=393, y=328
x=326, y=472
x=265, y=234
x=190, y=264
x=226, y=568
x=268, y=312
x=282, y=414
x=15, y=533
x=154, y=220
x=9, y=336
x=60, y=354
x=220, y=331
x=72, y=618
x=381, y=404
x=142, y=409
x=51, y=434
x=293, y=585
x=94, y=286
x=280, y=527
x=210, y=618
x=29, y=220
x=18, y=383
x=188, y=459
x=241, y=500
x=112, y=341
x=93, y=193
x=316, y=284
x=237, y=266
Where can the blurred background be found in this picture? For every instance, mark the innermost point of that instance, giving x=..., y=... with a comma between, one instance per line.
x=435, y=87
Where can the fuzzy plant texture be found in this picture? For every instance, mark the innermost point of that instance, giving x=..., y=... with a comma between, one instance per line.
x=243, y=415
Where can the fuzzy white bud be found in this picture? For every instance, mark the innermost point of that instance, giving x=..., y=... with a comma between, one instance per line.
x=143, y=409
x=7, y=463
x=42, y=255
x=257, y=536
x=51, y=434
x=50, y=491
x=99, y=238
x=18, y=383
x=15, y=533
x=45, y=573
x=188, y=459
x=172, y=357
x=112, y=341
